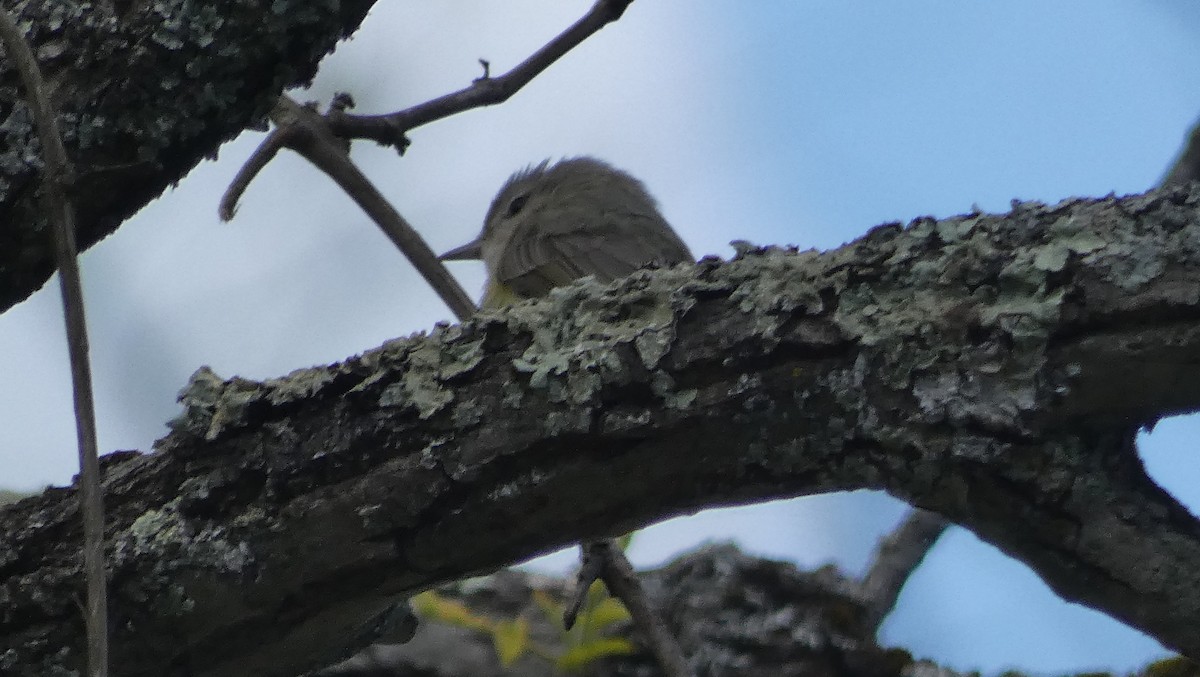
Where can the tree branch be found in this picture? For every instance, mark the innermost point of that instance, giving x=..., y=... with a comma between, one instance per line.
x=734, y=614
x=324, y=141
x=993, y=368
x=301, y=129
x=119, y=91
x=390, y=129
x=897, y=556
x=57, y=178
x=604, y=560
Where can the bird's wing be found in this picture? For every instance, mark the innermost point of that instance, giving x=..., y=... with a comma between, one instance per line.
x=534, y=265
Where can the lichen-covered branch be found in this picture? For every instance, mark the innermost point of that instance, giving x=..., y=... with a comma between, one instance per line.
x=144, y=90
x=992, y=368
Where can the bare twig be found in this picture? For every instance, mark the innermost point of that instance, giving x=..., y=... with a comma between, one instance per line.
x=390, y=129
x=896, y=557
x=57, y=175
x=281, y=137
x=321, y=140
x=605, y=561
x=258, y=160
x=305, y=131
x=590, y=570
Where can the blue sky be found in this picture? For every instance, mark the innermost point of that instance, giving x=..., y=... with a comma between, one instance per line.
x=798, y=122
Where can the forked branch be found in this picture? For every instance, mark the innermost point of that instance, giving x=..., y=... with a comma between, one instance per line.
x=322, y=140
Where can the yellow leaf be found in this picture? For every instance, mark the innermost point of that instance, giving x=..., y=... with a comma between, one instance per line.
x=448, y=611
x=586, y=627
x=609, y=611
x=596, y=592
x=624, y=541
x=580, y=656
x=553, y=611
x=510, y=639
x=548, y=605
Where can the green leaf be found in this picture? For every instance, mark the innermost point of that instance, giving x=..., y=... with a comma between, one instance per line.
x=548, y=605
x=585, y=628
x=596, y=592
x=625, y=540
x=511, y=638
x=451, y=612
x=609, y=611
x=553, y=611
x=580, y=656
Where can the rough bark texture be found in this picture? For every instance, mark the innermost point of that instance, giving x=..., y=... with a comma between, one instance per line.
x=144, y=91
x=993, y=368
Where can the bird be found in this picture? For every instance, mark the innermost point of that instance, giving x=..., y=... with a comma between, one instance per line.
x=554, y=223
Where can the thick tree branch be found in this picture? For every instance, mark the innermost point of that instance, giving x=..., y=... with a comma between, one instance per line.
x=993, y=368
x=120, y=80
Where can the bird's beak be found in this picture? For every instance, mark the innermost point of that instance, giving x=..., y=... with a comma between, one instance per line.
x=468, y=252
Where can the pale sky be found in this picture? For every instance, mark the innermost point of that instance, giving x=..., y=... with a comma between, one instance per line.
x=778, y=122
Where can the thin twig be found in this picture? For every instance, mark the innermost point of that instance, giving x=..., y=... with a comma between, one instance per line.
x=305, y=131
x=605, y=561
x=590, y=570
x=390, y=129
x=266, y=151
x=57, y=175
x=321, y=140
x=896, y=557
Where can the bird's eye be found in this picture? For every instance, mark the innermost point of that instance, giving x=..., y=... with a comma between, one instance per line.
x=517, y=204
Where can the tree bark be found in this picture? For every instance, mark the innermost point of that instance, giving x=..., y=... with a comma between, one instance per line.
x=992, y=368
x=144, y=91
x=732, y=614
